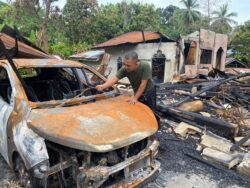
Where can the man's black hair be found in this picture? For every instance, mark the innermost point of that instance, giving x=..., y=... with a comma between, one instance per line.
x=131, y=56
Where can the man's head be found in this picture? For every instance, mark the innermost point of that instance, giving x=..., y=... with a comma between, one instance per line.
x=131, y=62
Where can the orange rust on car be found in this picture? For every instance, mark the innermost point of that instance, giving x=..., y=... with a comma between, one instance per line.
x=39, y=63
x=50, y=63
x=101, y=126
x=88, y=126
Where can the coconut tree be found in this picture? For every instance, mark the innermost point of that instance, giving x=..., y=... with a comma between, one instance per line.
x=190, y=15
x=222, y=19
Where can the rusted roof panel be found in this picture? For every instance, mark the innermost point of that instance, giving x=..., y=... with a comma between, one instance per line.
x=24, y=50
x=99, y=127
x=28, y=63
x=134, y=38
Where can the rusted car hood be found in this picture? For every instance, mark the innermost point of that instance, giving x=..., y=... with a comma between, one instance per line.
x=98, y=127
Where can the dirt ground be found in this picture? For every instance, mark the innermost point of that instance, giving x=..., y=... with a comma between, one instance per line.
x=177, y=169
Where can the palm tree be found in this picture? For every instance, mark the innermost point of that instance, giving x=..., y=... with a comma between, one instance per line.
x=222, y=20
x=190, y=15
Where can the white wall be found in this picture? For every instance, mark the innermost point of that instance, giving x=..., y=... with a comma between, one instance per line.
x=145, y=53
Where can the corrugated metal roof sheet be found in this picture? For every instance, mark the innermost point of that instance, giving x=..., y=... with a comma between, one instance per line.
x=24, y=50
x=14, y=33
x=93, y=55
x=134, y=38
x=231, y=60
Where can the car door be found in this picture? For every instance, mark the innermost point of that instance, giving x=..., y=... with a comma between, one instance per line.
x=6, y=107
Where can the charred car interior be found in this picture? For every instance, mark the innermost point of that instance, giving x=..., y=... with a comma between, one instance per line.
x=5, y=91
x=45, y=84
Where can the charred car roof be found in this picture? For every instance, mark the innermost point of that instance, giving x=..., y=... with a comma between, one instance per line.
x=40, y=63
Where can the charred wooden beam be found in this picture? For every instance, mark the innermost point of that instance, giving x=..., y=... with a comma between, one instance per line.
x=239, y=95
x=221, y=127
x=174, y=86
x=209, y=87
x=242, y=141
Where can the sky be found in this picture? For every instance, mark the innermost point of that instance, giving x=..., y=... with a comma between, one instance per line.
x=241, y=7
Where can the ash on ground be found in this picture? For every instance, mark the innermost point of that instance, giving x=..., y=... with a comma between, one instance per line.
x=177, y=169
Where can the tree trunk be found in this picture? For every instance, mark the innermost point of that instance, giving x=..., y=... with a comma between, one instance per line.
x=125, y=14
x=17, y=16
x=209, y=13
x=42, y=36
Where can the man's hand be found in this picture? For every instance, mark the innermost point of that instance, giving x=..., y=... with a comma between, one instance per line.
x=99, y=87
x=107, y=84
x=132, y=100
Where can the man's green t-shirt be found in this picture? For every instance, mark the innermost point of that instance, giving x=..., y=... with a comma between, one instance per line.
x=143, y=72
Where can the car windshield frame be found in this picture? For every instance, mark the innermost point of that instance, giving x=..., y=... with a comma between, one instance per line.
x=76, y=99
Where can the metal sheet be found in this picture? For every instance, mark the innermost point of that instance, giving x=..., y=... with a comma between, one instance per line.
x=99, y=127
x=93, y=55
x=134, y=38
x=23, y=49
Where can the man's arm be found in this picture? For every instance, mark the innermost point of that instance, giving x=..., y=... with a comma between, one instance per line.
x=139, y=92
x=107, y=84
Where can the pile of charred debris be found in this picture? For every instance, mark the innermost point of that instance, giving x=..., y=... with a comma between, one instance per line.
x=217, y=109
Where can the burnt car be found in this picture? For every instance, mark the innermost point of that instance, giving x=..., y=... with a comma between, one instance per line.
x=57, y=130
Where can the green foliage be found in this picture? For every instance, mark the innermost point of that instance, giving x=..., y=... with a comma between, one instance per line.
x=222, y=20
x=240, y=43
x=56, y=29
x=6, y=14
x=61, y=49
x=82, y=23
x=108, y=22
x=176, y=21
x=190, y=16
x=173, y=28
x=27, y=16
x=144, y=17
x=80, y=47
x=27, y=72
x=77, y=16
x=32, y=37
x=64, y=50
x=167, y=13
x=116, y=19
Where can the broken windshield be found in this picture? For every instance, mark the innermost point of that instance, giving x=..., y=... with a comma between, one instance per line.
x=46, y=84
